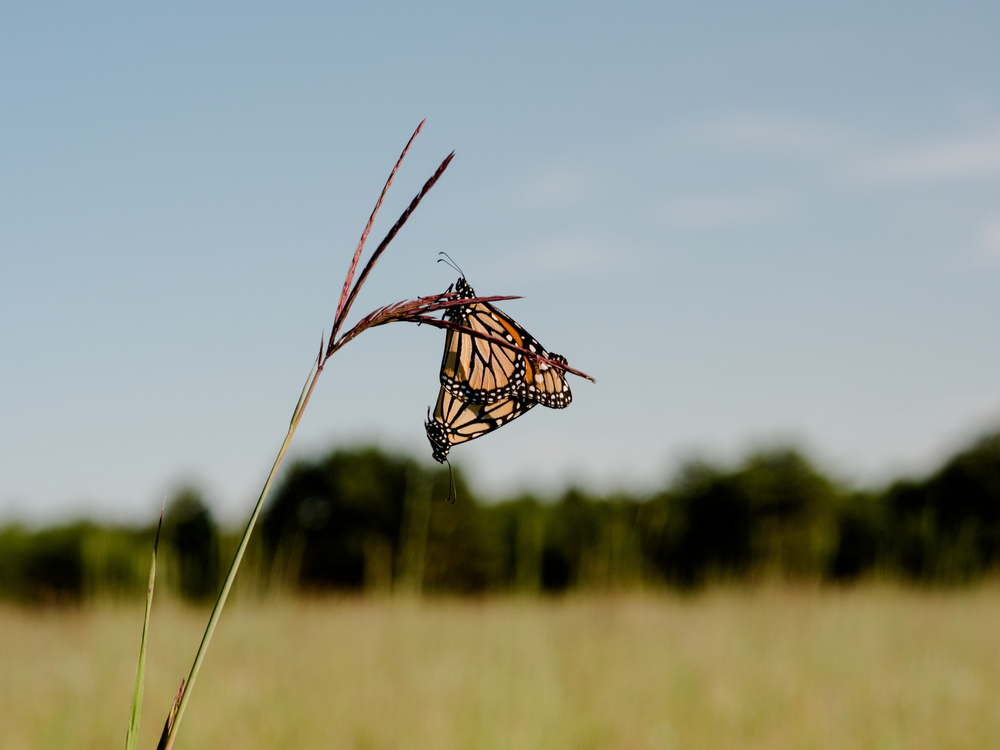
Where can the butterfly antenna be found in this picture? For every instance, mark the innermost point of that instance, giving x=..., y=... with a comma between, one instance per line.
x=447, y=259
x=453, y=494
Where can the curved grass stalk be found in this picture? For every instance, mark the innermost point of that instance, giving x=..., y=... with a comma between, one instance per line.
x=186, y=688
x=184, y=694
x=414, y=311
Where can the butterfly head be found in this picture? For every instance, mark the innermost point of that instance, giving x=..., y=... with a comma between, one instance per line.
x=463, y=290
x=436, y=435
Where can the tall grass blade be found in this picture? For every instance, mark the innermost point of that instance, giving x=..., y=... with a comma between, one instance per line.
x=132, y=736
x=305, y=387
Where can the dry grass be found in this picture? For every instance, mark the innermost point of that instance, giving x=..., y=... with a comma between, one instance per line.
x=872, y=667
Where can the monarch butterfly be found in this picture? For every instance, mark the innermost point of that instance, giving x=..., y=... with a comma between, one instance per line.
x=457, y=421
x=478, y=371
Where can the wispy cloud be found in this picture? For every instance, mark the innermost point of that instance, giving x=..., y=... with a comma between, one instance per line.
x=872, y=160
x=972, y=157
x=723, y=210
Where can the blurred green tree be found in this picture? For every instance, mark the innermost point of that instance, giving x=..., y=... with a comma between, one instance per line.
x=335, y=520
x=947, y=527
x=190, y=535
x=776, y=514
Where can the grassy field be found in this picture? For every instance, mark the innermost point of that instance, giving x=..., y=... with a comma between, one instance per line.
x=870, y=667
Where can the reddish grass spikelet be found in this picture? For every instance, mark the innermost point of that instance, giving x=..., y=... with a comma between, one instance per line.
x=338, y=318
x=412, y=311
x=418, y=311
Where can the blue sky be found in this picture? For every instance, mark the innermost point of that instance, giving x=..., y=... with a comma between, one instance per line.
x=752, y=223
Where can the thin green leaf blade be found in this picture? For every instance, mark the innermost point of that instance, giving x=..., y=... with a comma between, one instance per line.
x=132, y=737
x=305, y=388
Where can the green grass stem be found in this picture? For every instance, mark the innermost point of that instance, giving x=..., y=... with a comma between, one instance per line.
x=300, y=406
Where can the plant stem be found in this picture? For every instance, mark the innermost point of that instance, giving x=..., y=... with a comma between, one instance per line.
x=346, y=300
x=231, y=576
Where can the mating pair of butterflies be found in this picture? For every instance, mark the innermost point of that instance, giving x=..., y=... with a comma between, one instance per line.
x=485, y=385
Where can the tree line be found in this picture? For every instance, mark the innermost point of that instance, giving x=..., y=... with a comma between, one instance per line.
x=364, y=519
